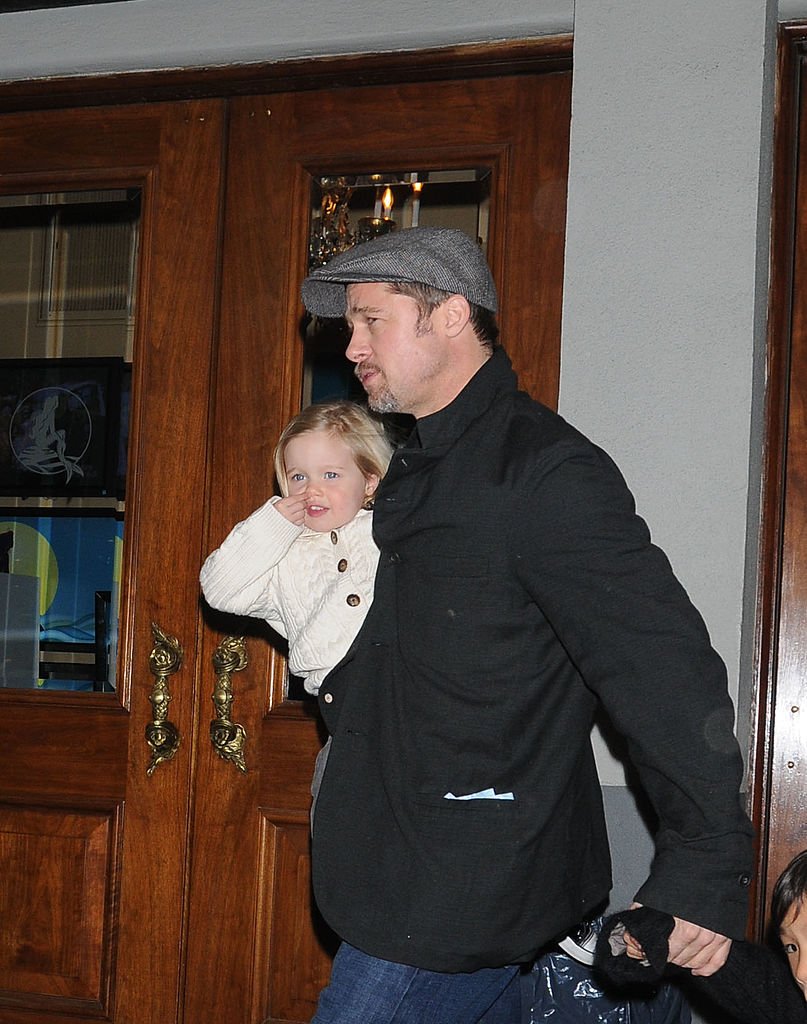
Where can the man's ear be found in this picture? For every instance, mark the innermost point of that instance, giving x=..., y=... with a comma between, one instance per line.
x=455, y=312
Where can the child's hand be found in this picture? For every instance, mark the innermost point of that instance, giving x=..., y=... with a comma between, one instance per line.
x=292, y=508
x=633, y=948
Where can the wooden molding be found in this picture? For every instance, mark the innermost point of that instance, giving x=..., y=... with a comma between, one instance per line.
x=522, y=56
x=791, y=47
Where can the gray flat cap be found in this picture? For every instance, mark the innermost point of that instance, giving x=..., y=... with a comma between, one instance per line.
x=443, y=258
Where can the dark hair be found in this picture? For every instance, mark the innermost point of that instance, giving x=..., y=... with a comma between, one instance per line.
x=790, y=888
x=428, y=299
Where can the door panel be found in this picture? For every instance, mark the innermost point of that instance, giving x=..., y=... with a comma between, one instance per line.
x=271, y=953
x=778, y=773
x=60, y=915
x=95, y=922
x=151, y=889
x=778, y=767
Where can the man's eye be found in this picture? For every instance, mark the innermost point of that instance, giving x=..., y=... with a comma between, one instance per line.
x=790, y=948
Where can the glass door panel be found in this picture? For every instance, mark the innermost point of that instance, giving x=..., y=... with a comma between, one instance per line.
x=347, y=209
x=68, y=264
x=87, y=813
x=350, y=208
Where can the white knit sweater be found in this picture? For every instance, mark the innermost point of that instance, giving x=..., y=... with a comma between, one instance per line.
x=312, y=588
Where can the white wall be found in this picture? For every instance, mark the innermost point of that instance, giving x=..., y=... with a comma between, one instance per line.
x=146, y=34
x=665, y=303
x=666, y=277
x=792, y=10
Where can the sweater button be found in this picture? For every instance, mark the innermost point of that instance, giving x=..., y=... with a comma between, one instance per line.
x=328, y=698
x=353, y=600
x=341, y=565
x=744, y=879
x=334, y=537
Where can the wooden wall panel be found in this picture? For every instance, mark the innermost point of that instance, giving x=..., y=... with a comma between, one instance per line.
x=296, y=966
x=58, y=915
x=778, y=749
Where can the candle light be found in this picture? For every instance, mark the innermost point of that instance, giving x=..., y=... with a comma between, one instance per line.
x=416, y=187
x=387, y=202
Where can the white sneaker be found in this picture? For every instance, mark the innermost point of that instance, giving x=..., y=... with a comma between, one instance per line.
x=581, y=943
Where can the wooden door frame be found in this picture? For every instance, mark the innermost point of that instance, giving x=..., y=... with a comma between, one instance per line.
x=76, y=765
x=468, y=60
x=767, y=725
x=517, y=128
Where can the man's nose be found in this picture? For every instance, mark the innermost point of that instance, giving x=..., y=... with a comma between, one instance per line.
x=357, y=347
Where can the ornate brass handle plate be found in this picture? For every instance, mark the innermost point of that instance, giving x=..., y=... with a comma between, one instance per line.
x=161, y=734
x=227, y=736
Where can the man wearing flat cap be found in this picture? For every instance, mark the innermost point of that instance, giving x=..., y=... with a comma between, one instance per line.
x=459, y=825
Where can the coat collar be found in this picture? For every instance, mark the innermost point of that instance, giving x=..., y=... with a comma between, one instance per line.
x=444, y=427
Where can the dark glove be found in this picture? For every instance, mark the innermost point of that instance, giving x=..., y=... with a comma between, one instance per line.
x=651, y=929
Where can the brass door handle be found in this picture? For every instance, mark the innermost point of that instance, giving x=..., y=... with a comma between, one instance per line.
x=161, y=734
x=228, y=737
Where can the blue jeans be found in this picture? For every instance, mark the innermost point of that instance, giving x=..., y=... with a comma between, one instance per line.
x=366, y=990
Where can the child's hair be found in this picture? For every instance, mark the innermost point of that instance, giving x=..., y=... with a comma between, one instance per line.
x=362, y=432
x=790, y=888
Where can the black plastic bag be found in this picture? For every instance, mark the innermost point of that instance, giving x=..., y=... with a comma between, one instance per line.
x=561, y=990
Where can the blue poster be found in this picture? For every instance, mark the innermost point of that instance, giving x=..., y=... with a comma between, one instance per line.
x=74, y=557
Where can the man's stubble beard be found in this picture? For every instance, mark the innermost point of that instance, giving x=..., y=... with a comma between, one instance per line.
x=383, y=401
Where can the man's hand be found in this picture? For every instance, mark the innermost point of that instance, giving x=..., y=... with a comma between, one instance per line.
x=699, y=949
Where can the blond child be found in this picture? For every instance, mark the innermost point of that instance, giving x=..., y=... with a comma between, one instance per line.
x=305, y=561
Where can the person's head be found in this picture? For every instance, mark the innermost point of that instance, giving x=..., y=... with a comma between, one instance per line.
x=333, y=453
x=421, y=304
x=789, y=916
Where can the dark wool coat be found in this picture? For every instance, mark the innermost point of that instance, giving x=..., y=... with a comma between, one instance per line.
x=756, y=987
x=517, y=587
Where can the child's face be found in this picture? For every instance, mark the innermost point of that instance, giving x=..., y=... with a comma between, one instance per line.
x=321, y=468
x=793, y=934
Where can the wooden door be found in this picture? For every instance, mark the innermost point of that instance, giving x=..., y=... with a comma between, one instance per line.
x=253, y=931
x=778, y=770
x=93, y=849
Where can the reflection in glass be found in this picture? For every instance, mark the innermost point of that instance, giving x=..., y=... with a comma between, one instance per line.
x=67, y=294
x=350, y=208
